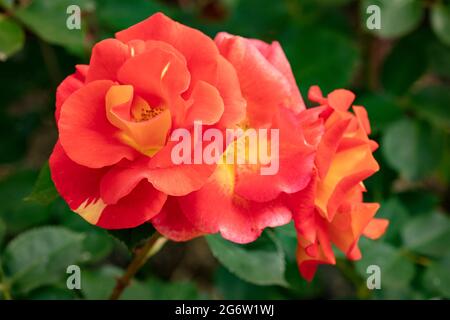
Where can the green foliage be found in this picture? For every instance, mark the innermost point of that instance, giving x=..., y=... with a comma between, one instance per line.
x=44, y=191
x=40, y=257
x=47, y=18
x=428, y=234
x=401, y=68
x=437, y=278
x=18, y=214
x=52, y=293
x=383, y=110
x=249, y=262
x=440, y=21
x=133, y=237
x=313, y=45
x=397, y=270
x=11, y=37
x=397, y=17
x=401, y=74
x=412, y=148
x=432, y=104
x=99, y=284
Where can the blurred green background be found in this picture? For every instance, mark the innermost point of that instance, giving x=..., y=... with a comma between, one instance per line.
x=401, y=73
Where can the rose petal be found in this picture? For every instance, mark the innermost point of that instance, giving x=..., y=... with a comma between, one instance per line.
x=84, y=131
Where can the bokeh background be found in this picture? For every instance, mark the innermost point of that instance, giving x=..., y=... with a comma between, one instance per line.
x=401, y=73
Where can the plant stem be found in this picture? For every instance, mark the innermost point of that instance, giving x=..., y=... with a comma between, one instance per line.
x=5, y=289
x=4, y=286
x=150, y=248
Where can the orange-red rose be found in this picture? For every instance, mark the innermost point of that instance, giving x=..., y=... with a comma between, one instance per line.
x=112, y=162
x=331, y=209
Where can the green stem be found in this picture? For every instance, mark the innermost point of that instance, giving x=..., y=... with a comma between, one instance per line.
x=150, y=248
x=4, y=286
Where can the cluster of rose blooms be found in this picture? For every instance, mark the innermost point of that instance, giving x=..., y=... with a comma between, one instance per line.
x=112, y=162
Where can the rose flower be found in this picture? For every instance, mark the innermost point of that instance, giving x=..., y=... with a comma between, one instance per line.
x=112, y=161
x=331, y=209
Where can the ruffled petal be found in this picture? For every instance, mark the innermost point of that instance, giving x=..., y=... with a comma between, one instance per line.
x=228, y=85
x=347, y=169
x=341, y=99
x=266, y=89
x=198, y=49
x=207, y=105
x=177, y=179
x=68, y=86
x=237, y=219
x=106, y=59
x=376, y=228
x=156, y=75
x=122, y=178
x=173, y=224
x=85, y=133
x=80, y=188
x=138, y=207
x=276, y=56
x=349, y=224
x=76, y=184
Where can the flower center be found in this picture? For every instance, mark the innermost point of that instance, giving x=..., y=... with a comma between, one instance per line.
x=141, y=126
x=144, y=112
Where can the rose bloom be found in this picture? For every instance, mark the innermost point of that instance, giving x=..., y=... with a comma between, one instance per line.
x=112, y=162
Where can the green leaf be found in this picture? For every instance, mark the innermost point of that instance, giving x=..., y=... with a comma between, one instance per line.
x=401, y=68
x=382, y=110
x=287, y=236
x=322, y=56
x=12, y=37
x=40, y=257
x=6, y=3
x=428, y=234
x=261, y=262
x=396, y=270
x=97, y=243
x=398, y=17
x=162, y=290
x=414, y=149
x=439, y=58
x=397, y=214
x=100, y=283
x=231, y=287
x=52, y=293
x=47, y=18
x=437, y=278
x=44, y=191
x=133, y=237
x=440, y=21
x=433, y=103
